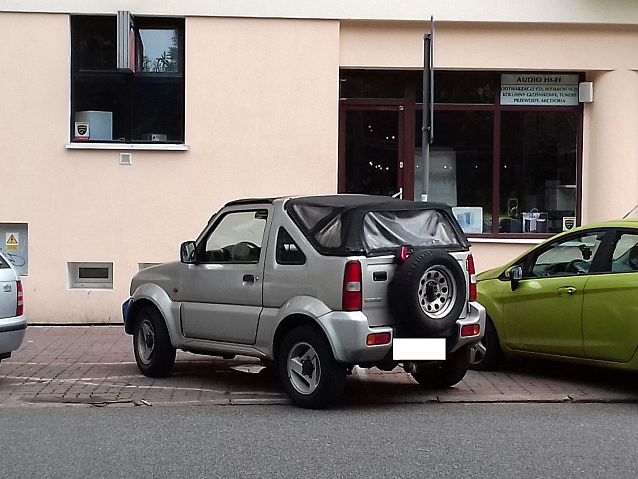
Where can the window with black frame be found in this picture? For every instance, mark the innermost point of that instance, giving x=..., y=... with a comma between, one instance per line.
x=140, y=104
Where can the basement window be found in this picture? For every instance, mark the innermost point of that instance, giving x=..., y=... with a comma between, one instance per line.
x=90, y=275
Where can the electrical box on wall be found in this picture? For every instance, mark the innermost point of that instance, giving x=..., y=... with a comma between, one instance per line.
x=14, y=244
x=586, y=92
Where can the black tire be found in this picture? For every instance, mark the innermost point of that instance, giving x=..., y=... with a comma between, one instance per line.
x=443, y=374
x=487, y=355
x=428, y=293
x=154, y=354
x=307, y=389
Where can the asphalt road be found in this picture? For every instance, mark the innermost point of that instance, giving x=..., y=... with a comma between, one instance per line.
x=431, y=440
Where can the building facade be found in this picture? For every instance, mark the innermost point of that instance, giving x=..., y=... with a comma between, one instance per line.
x=124, y=133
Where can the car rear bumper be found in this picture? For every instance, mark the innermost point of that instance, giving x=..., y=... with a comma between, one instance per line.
x=475, y=316
x=12, y=332
x=348, y=333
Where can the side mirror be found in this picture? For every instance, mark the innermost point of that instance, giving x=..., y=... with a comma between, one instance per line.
x=515, y=274
x=188, y=252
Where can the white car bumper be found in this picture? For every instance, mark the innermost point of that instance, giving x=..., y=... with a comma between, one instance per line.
x=12, y=332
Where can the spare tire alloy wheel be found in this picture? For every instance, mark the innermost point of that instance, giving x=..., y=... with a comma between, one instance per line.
x=428, y=292
x=436, y=292
x=308, y=370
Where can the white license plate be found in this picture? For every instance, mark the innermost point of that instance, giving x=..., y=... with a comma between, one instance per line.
x=418, y=349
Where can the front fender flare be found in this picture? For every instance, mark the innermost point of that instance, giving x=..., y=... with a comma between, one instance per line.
x=169, y=309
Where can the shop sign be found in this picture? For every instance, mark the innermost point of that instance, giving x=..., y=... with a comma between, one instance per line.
x=539, y=89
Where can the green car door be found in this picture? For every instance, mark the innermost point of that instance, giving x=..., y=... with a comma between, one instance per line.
x=543, y=313
x=610, y=309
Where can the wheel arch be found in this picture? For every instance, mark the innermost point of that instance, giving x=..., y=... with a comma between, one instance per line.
x=152, y=295
x=493, y=313
x=293, y=321
x=134, y=309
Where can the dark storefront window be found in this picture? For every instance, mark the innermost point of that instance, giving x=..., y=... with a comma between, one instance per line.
x=538, y=170
x=455, y=87
x=375, y=84
x=507, y=167
x=461, y=161
x=372, y=152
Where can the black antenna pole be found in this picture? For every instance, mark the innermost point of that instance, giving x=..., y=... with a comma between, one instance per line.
x=427, y=131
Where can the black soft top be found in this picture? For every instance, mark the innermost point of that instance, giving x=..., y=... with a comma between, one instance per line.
x=334, y=224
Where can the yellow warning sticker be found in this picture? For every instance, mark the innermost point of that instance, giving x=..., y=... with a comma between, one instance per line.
x=12, y=242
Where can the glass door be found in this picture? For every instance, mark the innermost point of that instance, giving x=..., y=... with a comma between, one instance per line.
x=371, y=150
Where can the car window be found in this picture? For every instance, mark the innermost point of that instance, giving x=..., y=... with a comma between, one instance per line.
x=625, y=256
x=3, y=263
x=287, y=250
x=389, y=229
x=570, y=256
x=237, y=238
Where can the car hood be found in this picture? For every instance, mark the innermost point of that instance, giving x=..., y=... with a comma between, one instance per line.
x=159, y=275
x=493, y=273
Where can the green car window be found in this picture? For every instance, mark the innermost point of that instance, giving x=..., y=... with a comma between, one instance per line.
x=566, y=257
x=625, y=256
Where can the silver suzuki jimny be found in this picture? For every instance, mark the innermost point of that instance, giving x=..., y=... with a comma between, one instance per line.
x=313, y=286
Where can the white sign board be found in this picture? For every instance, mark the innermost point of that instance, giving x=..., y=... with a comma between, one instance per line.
x=539, y=89
x=470, y=218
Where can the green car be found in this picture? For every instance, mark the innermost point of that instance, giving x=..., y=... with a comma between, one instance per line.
x=573, y=297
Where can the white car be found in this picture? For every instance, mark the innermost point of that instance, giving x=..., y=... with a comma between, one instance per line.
x=13, y=323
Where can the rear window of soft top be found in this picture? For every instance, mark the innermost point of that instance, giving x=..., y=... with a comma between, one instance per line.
x=384, y=230
x=341, y=230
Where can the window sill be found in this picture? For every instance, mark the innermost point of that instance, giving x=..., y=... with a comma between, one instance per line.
x=507, y=240
x=127, y=146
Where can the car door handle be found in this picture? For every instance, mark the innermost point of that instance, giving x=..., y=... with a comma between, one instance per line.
x=249, y=278
x=566, y=290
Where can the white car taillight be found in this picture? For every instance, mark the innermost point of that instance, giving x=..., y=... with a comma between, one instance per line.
x=20, y=303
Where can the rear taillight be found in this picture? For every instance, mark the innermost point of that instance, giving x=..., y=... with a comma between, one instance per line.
x=377, y=339
x=471, y=270
x=404, y=253
x=352, y=290
x=20, y=305
x=470, y=330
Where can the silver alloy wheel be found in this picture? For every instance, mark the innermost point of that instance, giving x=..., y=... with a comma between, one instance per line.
x=478, y=352
x=145, y=341
x=304, y=368
x=437, y=289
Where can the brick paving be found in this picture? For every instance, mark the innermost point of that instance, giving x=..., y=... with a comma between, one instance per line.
x=94, y=365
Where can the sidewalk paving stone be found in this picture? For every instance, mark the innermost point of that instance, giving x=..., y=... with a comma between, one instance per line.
x=85, y=366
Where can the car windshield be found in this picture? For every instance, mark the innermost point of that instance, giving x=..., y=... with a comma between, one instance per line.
x=384, y=230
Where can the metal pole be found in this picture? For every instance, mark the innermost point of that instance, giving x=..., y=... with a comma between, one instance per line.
x=427, y=130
